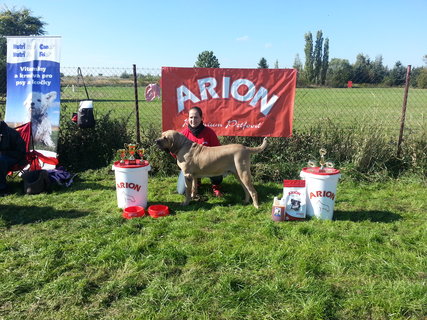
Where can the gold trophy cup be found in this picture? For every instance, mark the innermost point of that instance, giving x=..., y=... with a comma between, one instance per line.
x=322, y=158
x=131, y=149
x=140, y=152
x=122, y=155
x=322, y=162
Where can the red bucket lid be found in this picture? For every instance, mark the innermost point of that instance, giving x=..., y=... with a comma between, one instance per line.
x=137, y=164
x=321, y=172
x=294, y=183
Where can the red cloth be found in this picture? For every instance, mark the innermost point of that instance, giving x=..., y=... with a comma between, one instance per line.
x=237, y=102
x=152, y=91
x=207, y=137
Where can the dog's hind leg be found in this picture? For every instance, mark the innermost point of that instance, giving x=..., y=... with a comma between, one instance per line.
x=245, y=179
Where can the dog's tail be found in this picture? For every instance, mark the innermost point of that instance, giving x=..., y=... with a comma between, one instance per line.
x=260, y=148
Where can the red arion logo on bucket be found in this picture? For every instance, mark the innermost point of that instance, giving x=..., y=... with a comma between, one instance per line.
x=325, y=194
x=128, y=185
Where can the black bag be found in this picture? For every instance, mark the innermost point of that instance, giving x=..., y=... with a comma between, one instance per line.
x=85, y=117
x=36, y=181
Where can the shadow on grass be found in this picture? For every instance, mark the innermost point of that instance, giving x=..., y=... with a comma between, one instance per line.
x=373, y=216
x=88, y=185
x=232, y=194
x=13, y=214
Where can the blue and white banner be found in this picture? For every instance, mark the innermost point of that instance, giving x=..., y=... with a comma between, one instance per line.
x=34, y=87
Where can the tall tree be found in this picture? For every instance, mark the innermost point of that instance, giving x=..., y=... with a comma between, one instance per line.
x=397, y=75
x=377, y=70
x=317, y=54
x=16, y=23
x=339, y=73
x=325, y=62
x=206, y=59
x=361, y=69
x=308, y=50
x=262, y=64
x=297, y=63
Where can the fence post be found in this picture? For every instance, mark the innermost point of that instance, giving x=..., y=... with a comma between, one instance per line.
x=402, y=119
x=135, y=85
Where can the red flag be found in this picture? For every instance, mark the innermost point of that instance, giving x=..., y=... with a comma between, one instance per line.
x=235, y=102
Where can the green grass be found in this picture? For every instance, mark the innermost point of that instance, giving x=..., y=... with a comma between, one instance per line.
x=70, y=255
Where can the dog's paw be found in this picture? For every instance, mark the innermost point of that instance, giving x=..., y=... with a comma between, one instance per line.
x=200, y=198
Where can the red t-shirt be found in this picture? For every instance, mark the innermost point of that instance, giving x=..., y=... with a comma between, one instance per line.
x=206, y=138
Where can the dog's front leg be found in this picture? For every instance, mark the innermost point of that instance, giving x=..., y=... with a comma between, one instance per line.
x=194, y=194
x=188, y=189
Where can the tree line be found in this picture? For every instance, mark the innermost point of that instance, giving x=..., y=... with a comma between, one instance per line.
x=318, y=70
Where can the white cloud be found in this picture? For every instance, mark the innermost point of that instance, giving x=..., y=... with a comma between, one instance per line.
x=243, y=38
x=268, y=45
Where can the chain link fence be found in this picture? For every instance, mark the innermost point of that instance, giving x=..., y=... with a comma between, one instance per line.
x=352, y=105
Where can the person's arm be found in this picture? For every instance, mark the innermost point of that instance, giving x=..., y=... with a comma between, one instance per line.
x=213, y=139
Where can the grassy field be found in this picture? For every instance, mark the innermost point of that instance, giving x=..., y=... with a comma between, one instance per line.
x=319, y=106
x=70, y=255
x=313, y=106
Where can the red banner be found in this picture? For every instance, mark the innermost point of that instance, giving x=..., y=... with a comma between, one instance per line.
x=235, y=102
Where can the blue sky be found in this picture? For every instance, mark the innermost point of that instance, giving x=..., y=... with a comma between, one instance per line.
x=152, y=34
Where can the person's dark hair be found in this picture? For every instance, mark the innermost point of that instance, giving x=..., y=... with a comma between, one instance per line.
x=199, y=111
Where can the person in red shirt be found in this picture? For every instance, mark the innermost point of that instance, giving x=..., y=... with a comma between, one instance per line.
x=197, y=132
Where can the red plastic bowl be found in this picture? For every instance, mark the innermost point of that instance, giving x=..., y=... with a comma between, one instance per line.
x=133, y=212
x=158, y=210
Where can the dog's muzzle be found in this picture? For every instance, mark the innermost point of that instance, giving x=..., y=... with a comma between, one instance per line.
x=159, y=143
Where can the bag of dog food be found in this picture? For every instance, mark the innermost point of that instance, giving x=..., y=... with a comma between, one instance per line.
x=294, y=198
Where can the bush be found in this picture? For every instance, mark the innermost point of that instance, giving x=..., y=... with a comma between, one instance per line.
x=361, y=153
x=161, y=162
x=82, y=149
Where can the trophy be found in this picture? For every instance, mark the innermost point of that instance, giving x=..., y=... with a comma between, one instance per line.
x=131, y=149
x=322, y=162
x=140, y=152
x=122, y=155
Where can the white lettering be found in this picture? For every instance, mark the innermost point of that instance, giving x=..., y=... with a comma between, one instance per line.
x=265, y=105
x=235, y=89
x=241, y=89
x=226, y=87
x=183, y=94
x=207, y=85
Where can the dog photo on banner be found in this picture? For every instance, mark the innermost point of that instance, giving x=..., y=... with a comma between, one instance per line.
x=33, y=87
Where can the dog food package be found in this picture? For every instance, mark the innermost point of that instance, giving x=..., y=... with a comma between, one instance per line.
x=278, y=210
x=294, y=198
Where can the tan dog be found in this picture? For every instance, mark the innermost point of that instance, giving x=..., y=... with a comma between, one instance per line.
x=198, y=161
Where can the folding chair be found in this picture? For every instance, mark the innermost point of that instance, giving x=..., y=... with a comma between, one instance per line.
x=32, y=157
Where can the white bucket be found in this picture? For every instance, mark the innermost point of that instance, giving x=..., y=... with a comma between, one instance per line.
x=131, y=184
x=321, y=188
x=86, y=104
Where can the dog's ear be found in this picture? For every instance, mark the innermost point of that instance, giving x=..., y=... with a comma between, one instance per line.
x=51, y=96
